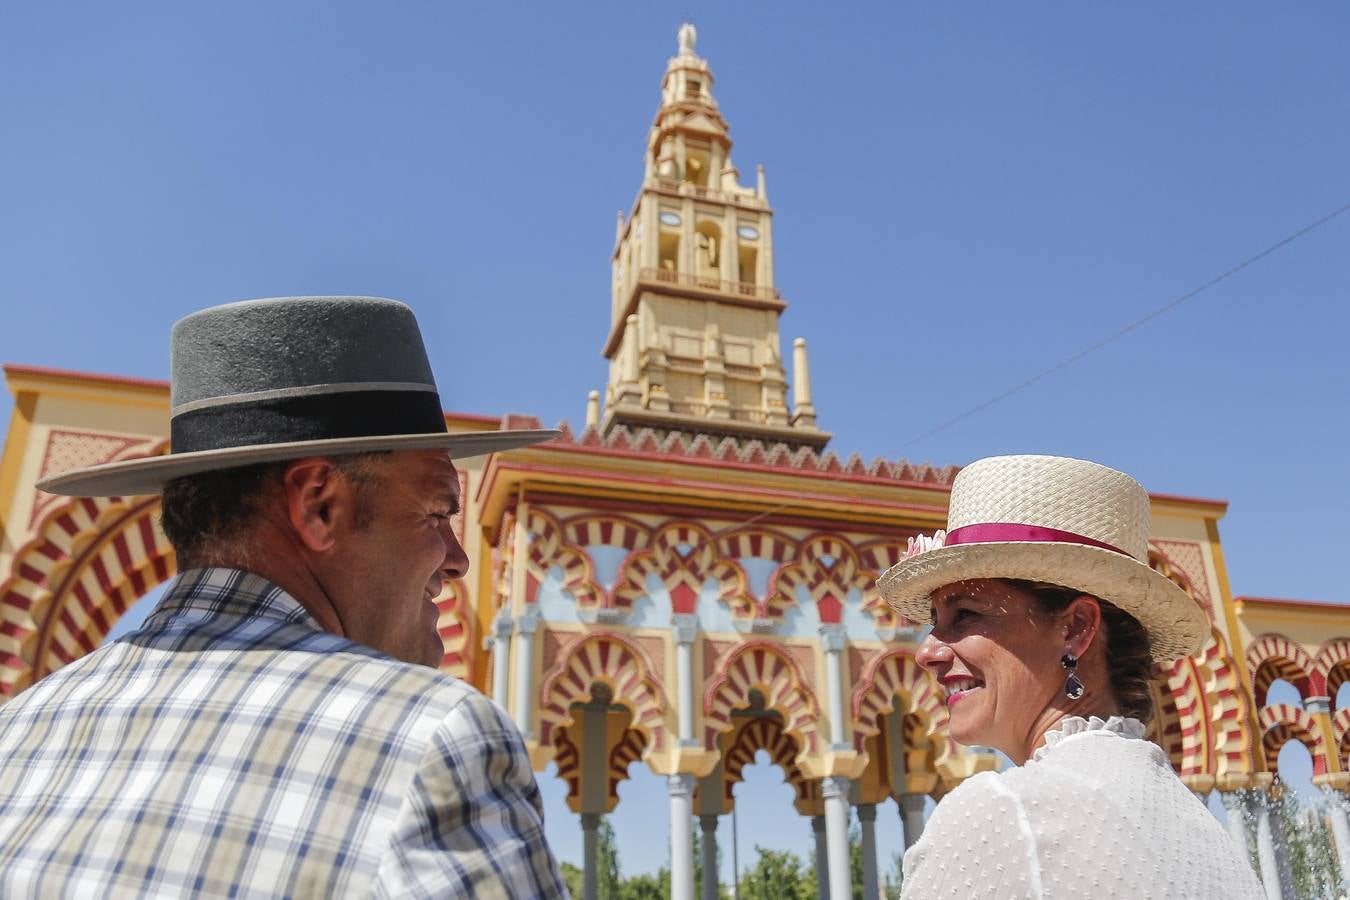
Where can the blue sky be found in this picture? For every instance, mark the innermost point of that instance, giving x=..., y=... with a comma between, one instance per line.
x=965, y=194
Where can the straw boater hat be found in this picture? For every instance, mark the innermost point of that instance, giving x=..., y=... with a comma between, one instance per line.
x=269, y=380
x=1062, y=521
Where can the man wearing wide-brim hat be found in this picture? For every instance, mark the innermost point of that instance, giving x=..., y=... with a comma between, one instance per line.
x=278, y=726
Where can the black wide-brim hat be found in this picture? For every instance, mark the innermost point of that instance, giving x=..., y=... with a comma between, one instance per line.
x=290, y=377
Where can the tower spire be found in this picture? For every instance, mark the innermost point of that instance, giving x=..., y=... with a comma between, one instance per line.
x=693, y=343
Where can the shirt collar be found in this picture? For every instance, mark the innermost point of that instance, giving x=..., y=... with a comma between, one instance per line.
x=219, y=591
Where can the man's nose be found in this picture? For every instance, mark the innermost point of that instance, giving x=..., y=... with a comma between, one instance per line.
x=456, y=563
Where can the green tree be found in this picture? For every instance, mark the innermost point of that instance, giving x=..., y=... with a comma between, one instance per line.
x=895, y=876
x=572, y=878
x=609, y=881
x=1311, y=848
x=778, y=875
x=647, y=887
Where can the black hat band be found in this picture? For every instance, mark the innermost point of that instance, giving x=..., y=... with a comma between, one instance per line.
x=320, y=417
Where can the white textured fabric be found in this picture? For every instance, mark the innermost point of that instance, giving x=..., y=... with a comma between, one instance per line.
x=1097, y=812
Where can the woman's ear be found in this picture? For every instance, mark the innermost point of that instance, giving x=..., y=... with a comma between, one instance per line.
x=1082, y=618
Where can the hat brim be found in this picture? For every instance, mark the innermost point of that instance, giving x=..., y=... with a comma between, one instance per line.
x=148, y=475
x=1175, y=623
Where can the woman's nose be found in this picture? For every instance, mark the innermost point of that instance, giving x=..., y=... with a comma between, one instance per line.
x=932, y=653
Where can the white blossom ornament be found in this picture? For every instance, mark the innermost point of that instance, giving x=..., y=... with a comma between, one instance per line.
x=922, y=543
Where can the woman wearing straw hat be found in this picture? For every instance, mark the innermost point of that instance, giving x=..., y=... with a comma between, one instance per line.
x=1046, y=623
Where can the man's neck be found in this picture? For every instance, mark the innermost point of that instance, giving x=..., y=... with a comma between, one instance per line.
x=276, y=557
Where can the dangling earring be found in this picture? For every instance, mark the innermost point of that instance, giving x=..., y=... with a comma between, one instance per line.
x=1073, y=687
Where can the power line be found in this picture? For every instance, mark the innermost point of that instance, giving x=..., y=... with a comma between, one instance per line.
x=1092, y=348
x=1160, y=311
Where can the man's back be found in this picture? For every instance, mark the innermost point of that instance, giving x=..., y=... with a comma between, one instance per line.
x=232, y=748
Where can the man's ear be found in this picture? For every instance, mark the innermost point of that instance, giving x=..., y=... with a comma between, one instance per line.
x=316, y=495
x=1083, y=619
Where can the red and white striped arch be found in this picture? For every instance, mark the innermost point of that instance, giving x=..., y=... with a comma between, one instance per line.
x=683, y=556
x=1333, y=662
x=827, y=567
x=1274, y=656
x=90, y=559
x=766, y=667
x=894, y=681
x=767, y=733
x=617, y=662
x=548, y=549
x=1284, y=722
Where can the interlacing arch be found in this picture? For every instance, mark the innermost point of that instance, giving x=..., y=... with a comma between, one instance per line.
x=766, y=733
x=827, y=567
x=763, y=666
x=1284, y=722
x=1340, y=729
x=1185, y=687
x=1333, y=662
x=627, y=751
x=91, y=558
x=758, y=543
x=618, y=663
x=894, y=680
x=683, y=556
x=568, y=760
x=1274, y=656
x=589, y=530
x=455, y=624
x=876, y=558
x=1200, y=711
x=549, y=549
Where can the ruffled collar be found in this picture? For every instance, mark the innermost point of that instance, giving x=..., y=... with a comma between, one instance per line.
x=1121, y=726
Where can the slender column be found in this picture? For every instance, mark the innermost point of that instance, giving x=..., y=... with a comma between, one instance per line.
x=867, y=816
x=1236, y=807
x=681, y=790
x=911, y=815
x=709, y=826
x=822, y=858
x=686, y=629
x=1340, y=829
x=1265, y=848
x=527, y=623
x=832, y=639
x=803, y=410
x=500, y=644
x=590, y=880
x=834, y=789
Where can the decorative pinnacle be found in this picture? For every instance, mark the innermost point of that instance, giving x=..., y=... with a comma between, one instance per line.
x=688, y=37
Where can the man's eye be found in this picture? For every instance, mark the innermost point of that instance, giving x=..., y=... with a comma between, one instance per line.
x=963, y=614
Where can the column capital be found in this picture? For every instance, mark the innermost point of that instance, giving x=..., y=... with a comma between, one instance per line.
x=708, y=823
x=502, y=626
x=686, y=627
x=832, y=786
x=590, y=821
x=867, y=812
x=833, y=637
x=528, y=621
x=681, y=784
x=818, y=824
x=1316, y=705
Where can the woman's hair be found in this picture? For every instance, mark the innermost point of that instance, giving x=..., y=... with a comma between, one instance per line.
x=1129, y=658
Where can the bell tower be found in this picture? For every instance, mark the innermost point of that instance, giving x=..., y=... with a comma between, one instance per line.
x=693, y=343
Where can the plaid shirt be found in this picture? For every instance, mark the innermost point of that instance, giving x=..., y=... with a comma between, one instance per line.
x=232, y=748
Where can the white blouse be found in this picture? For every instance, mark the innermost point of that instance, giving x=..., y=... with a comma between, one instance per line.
x=1097, y=812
